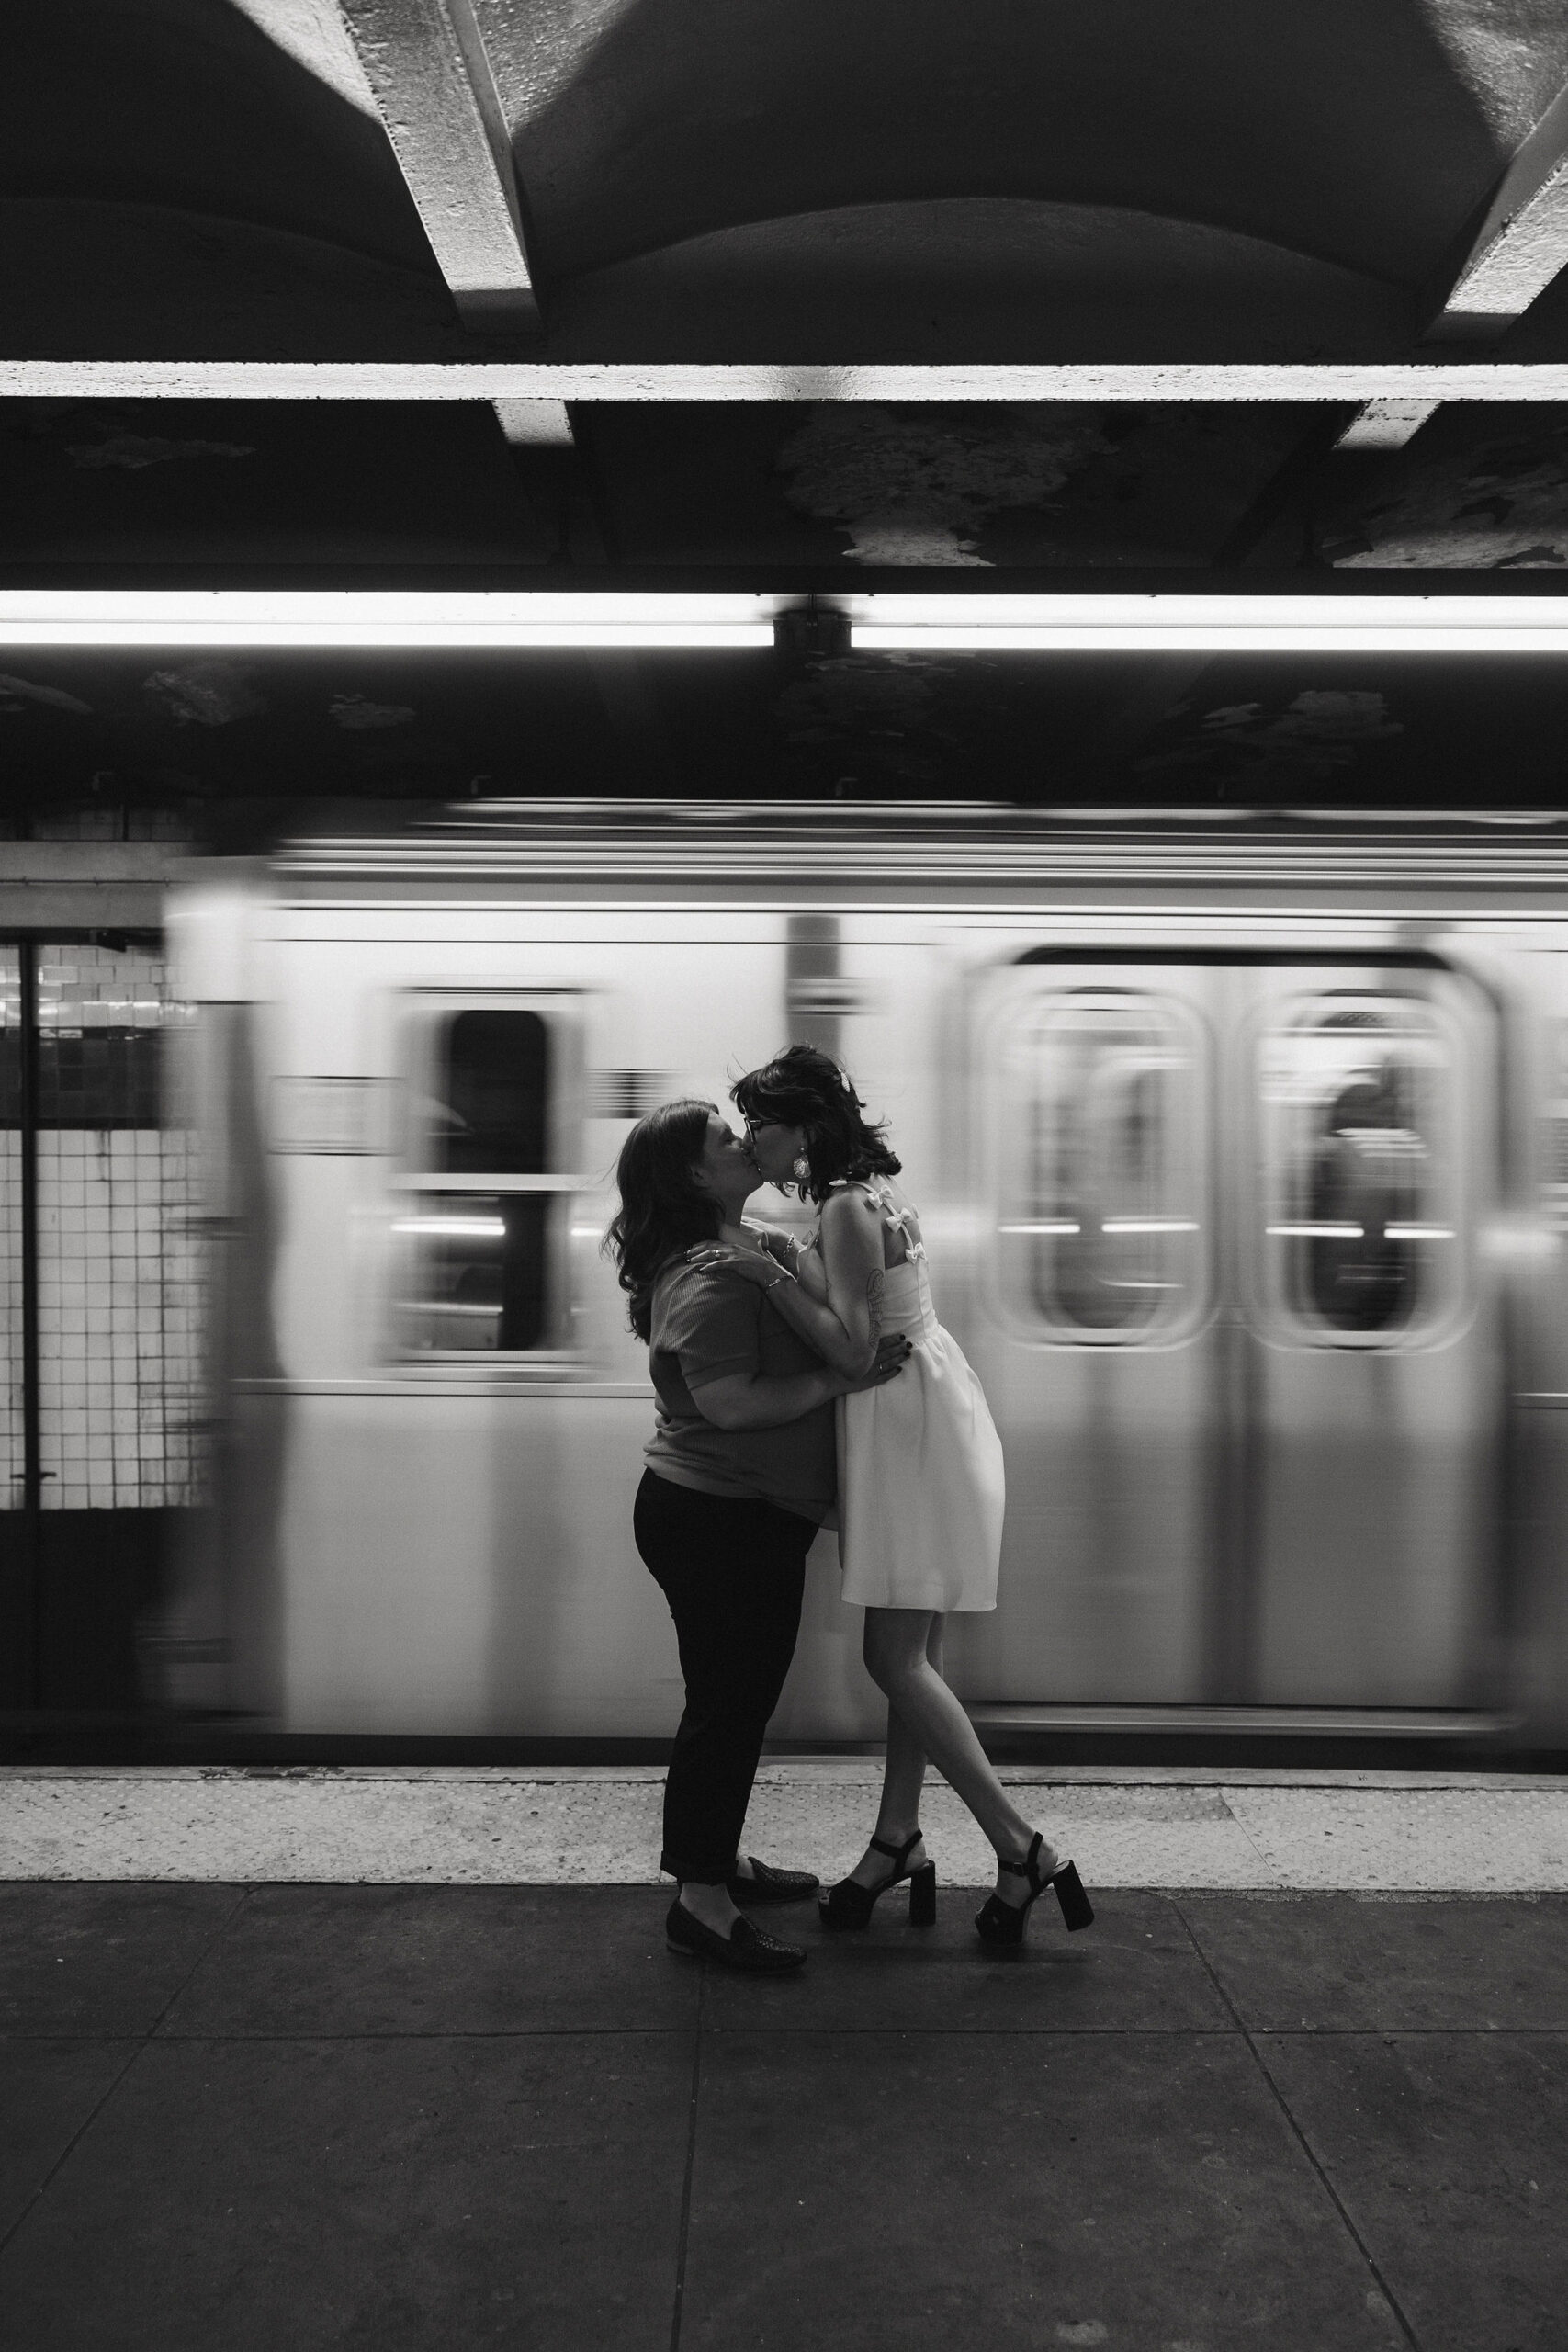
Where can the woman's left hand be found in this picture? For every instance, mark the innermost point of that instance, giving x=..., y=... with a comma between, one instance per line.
x=751, y=1265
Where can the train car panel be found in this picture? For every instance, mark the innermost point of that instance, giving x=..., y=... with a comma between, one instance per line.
x=1372, y=1377
x=461, y=1564
x=1232, y=1334
x=1257, y=1458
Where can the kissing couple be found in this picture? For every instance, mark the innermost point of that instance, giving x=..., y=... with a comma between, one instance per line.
x=790, y=1374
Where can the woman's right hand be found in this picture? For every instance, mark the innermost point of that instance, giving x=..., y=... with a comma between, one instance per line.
x=754, y=1266
x=892, y=1354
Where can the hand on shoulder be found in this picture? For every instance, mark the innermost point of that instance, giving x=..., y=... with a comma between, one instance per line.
x=754, y=1266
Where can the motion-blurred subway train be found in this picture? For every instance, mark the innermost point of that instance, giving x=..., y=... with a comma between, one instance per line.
x=1241, y=1147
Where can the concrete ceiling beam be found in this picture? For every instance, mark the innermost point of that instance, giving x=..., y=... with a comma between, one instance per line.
x=1386, y=425
x=1509, y=257
x=534, y=424
x=1520, y=245
x=1348, y=381
x=425, y=63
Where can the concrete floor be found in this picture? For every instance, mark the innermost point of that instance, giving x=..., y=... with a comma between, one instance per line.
x=1347, y=1830
x=278, y=2117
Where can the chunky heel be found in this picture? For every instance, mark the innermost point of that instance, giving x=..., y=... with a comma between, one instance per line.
x=996, y=1922
x=1077, y=1911
x=850, y=1905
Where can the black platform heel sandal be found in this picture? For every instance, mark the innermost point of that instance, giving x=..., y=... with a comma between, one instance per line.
x=996, y=1922
x=850, y=1905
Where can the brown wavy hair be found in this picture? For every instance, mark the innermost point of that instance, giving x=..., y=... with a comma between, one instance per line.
x=802, y=1088
x=662, y=1210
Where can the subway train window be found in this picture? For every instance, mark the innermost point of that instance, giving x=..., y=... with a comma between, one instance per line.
x=486, y=1262
x=1100, y=1222
x=1363, y=1230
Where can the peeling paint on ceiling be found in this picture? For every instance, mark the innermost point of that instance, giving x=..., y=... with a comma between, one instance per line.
x=206, y=694
x=354, y=711
x=1316, y=735
x=18, y=692
x=1491, y=503
x=918, y=489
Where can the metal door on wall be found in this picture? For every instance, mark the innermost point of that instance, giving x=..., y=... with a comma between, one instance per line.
x=1234, y=1332
x=99, y=1266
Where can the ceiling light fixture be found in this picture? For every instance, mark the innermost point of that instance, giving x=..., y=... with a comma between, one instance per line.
x=501, y=621
x=1208, y=624
x=416, y=620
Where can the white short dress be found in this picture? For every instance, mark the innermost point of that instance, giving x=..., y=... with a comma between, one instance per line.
x=922, y=1491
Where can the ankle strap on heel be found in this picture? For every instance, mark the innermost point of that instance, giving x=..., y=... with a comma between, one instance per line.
x=1026, y=1868
x=898, y=1854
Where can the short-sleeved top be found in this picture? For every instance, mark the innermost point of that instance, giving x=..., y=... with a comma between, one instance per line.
x=707, y=1325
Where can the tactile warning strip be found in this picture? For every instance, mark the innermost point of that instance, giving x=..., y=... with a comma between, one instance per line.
x=1370, y=1833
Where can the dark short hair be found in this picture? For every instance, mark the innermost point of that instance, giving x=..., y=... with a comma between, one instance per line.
x=804, y=1087
x=663, y=1210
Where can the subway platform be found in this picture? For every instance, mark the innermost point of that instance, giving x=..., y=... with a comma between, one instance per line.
x=398, y=2059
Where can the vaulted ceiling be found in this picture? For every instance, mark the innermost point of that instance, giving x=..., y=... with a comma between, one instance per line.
x=471, y=291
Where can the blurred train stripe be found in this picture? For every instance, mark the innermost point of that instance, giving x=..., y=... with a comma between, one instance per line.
x=1371, y=1832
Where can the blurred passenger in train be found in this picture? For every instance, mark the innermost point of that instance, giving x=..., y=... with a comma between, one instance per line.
x=1368, y=1173
x=920, y=1480
x=740, y=1474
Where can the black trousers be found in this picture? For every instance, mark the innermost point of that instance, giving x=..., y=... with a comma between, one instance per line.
x=733, y=1573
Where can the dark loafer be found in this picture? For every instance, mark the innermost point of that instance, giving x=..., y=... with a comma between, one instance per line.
x=747, y=1949
x=771, y=1885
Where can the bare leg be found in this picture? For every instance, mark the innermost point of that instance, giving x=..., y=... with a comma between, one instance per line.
x=897, y=1659
x=902, y=1780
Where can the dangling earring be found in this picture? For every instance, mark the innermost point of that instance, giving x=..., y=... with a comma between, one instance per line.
x=800, y=1168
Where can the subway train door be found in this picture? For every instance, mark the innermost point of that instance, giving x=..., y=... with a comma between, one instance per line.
x=1232, y=1334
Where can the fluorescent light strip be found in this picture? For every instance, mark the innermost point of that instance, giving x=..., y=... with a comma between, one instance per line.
x=1318, y=1232
x=433, y=621
x=1149, y=1225
x=1418, y=1233
x=1185, y=623
x=439, y=620
x=1112, y=1224
x=1158, y=636
x=1229, y=607
x=453, y=1228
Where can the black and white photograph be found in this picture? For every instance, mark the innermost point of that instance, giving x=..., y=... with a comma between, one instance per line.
x=784, y=1176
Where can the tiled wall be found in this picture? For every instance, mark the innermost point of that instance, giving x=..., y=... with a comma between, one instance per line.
x=119, y=1266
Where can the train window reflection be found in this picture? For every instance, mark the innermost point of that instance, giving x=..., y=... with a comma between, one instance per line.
x=483, y=1255
x=493, y=1113
x=1100, y=1227
x=1360, y=1165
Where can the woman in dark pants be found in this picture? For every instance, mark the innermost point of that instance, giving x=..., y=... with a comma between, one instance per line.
x=742, y=1472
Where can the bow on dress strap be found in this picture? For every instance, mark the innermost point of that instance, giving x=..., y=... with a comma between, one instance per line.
x=897, y=1218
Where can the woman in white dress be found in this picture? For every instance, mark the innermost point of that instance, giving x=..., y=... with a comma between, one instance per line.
x=921, y=1478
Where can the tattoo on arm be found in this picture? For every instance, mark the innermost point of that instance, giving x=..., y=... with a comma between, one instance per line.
x=875, y=1286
